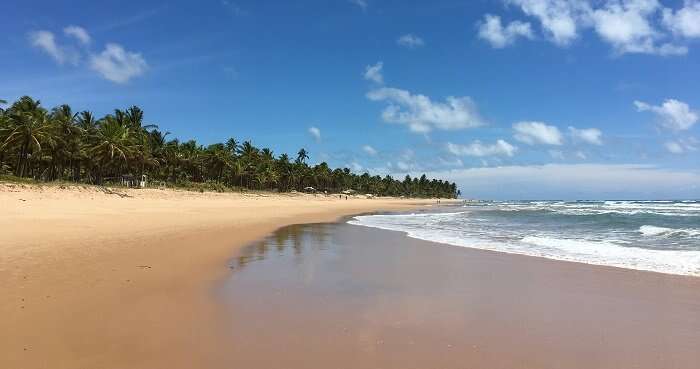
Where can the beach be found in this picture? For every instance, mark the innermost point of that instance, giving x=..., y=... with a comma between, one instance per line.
x=346, y=296
x=115, y=279
x=160, y=278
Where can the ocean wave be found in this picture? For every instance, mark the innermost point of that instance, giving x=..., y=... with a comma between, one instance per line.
x=677, y=209
x=649, y=230
x=432, y=215
x=614, y=251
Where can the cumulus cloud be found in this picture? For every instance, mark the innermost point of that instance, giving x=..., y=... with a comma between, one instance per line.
x=422, y=115
x=477, y=149
x=117, y=64
x=685, y=21
x=369, y=150
x=493, y=31
x=114, y=63
x=79, y=33
x=533, y=133
x=675, y=115
x=629, y=26
x=315, y=133
x=374, y=73
x=626, y=25
x=559, y=18
x=592, y=136
x=410, y=41
x=46, y=41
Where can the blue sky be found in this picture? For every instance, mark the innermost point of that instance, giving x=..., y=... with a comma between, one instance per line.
x=511, y=99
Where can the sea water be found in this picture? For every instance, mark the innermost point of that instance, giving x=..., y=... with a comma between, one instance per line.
x=658, y=236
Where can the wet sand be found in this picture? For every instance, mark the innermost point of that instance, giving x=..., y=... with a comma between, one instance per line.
x=344, y=296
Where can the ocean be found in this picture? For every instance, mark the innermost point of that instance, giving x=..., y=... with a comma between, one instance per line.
x=657, y=236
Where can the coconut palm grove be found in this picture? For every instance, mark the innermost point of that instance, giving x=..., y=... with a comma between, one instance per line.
x=63, y=145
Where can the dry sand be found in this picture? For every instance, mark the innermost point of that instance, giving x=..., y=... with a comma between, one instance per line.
x=94, y=279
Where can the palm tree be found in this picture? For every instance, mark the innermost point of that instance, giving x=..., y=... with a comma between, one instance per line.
x=232, y=146
x=113, y=146
x=302, y=155
x=52, y=145
x=238, y=171
x=27, y=129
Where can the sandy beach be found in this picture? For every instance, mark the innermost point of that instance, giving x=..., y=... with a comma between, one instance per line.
x=94, y=278
x=123, y=279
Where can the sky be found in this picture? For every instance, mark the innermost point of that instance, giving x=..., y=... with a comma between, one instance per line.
x=511, y=99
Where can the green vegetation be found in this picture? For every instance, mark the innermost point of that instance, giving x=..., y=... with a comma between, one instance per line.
x=60, y=145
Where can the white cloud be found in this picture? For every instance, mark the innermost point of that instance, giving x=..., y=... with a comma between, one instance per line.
x=374, y=73
x=369, y=150
x=592, y=136
x=685, y=21
x=626, y=25
x=478, y=149
x=361, y=3
x=315, y=133
x=674, y=147
x=574, y=181
x=681, y=146
x=629, y=26
x=533, y=133
x=581, y=155
x=79, y=33
x=559, y=18
x=492, y=31
x=410, y=41
x=422, y=115
x=675, y=115
x=118, y=65
x=46, y=41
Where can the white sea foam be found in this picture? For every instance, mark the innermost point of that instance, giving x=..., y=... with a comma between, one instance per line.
x=608, y=251
x=648, y=230
x=665, y=208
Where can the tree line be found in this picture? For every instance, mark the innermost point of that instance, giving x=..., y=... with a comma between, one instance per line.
x=60, y=144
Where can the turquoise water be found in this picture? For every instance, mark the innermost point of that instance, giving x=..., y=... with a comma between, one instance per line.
x=659, y=236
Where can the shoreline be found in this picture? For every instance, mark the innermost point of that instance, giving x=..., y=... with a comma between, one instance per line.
x=376, y=298
x=140, y=291
x=543, y=258
x=104, y=281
